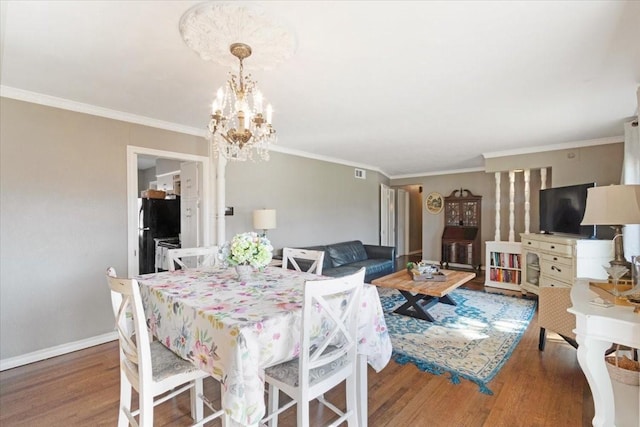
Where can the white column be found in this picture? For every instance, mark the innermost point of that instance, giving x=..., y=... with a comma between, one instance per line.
x=220, y=199
x=512, y=205
x=497, y=235
x=527, y=204
x=543, y=178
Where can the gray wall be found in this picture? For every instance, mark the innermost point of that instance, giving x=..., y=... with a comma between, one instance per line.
x=145, y=177
x=316, y=202
x=64, y=215
x=63, y=220
x=600, y=163
x=479, y=183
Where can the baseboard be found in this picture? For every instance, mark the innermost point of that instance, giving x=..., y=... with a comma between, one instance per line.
x=464, y=266
x=46, y=353
x=508, y=286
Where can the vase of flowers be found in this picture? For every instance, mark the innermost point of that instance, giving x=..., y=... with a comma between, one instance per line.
x=247, y=252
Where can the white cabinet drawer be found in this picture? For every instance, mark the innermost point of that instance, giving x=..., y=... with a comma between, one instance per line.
x=558, y=271
x=557, y=248
x=556, y=259
x=528, y=243
x=549, y=282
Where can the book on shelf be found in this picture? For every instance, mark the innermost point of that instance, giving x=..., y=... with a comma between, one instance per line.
x=504, y=276
x=505, y=260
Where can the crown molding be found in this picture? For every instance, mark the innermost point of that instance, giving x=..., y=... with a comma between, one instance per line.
x=554, y=147
x=313, y=156
x=438, y=173
x=79, y=107
x=66, y=104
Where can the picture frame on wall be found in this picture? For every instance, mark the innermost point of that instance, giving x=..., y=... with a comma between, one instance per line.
x=434, y=202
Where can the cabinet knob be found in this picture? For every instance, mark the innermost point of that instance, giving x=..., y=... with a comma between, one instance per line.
x=553, y=247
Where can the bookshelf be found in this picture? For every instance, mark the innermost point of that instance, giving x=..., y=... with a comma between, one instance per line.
x=503, y=265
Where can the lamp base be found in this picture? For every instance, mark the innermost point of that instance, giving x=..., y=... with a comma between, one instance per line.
x=618, y=248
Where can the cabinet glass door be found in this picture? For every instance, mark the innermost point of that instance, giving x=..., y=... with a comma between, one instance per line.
x=531, y=276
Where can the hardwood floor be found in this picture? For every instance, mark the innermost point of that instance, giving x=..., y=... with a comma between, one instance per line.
x=533, y=389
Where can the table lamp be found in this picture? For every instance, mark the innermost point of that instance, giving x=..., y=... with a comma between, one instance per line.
x=264, y=219
x=613, y=205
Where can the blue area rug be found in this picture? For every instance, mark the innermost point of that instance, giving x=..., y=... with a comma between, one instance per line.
x=471, y=340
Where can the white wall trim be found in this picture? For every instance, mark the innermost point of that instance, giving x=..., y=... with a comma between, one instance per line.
x=132, y=197
x=329, y=159
x=66, y=104
x=438, y=173
x=554, y=147
x=58, y=350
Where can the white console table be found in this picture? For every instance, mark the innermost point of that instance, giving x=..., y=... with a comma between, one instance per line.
x=596, y=329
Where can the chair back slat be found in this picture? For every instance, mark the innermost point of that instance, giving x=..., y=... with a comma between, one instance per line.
x=291, y=256
x=131, y=326
x=337, y=302
x=187, y=258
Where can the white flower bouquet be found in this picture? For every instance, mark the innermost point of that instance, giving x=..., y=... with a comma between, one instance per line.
x=247, y=249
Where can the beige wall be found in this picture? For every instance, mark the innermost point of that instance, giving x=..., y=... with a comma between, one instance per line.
x=316, y=202
x=478, y=183
x=601, y=164
x=64, y=215
x=63, y=220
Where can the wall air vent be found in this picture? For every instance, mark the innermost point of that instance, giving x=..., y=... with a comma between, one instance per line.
x=360, y=173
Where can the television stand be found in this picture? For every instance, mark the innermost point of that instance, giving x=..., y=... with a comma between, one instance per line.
x=556, y=260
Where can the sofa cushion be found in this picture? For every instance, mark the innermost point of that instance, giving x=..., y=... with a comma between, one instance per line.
x=346, y=253
x=340, y=271
x=375, y=267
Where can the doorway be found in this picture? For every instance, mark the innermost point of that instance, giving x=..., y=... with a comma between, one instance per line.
x=387, y=216
x=136, y=154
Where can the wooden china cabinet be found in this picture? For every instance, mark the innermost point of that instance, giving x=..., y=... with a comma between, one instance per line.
x=461, y=236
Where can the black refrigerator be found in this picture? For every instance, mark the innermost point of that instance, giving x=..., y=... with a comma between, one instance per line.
x=158, y=218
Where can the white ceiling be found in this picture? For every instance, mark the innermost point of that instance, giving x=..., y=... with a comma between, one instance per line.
x=405, y=87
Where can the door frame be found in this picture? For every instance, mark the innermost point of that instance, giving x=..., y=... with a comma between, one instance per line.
x=403, y=221
x=387, y=216
x=132, y=197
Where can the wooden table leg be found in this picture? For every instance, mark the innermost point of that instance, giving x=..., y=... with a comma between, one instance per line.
x=417, y=306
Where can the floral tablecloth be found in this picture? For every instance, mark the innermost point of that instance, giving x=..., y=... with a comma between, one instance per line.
x=235, y=329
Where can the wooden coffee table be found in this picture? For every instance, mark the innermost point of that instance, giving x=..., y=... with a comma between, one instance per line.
x=421, y=296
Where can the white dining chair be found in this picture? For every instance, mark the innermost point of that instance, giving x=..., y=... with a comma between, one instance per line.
x=291, y=256
x=324, y=361
x=147, y=366
x=187, y=258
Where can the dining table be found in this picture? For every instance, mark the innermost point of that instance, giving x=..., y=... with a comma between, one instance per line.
x=234, y=329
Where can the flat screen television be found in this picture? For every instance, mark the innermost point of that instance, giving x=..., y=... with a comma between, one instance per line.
x=562, y=209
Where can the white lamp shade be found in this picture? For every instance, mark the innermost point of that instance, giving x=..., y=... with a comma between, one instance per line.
x=612, y=205
x=264, y=219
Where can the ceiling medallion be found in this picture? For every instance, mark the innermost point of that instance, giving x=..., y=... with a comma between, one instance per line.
x=240, y=126
x=210, y=28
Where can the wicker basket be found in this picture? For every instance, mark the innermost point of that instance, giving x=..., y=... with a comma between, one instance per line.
x=629, y=374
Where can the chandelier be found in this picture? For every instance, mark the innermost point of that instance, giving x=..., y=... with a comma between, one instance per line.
x=240, y=128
